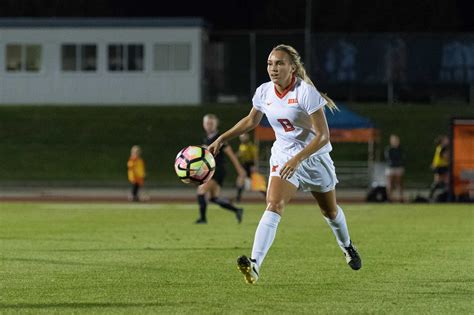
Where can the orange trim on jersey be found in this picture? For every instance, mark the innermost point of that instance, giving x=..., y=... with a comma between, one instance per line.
x=288, y=88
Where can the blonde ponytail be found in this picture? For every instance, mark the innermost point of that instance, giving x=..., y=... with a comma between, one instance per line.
x=301, y=71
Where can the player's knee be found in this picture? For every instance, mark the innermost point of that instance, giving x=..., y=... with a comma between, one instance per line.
x=329, y=212
x=275, y=205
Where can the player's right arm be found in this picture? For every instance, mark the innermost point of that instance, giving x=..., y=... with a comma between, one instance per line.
x=246, y=124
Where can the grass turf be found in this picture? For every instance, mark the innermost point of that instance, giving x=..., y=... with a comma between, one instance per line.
x=151, y=258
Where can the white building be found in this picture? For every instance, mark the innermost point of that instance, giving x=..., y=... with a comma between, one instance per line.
x=101, y=61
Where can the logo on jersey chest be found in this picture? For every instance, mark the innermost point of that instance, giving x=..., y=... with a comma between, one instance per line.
x=292, y=101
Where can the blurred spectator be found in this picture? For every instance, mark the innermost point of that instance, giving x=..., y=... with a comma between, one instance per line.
x=136, y=172
x=440, y=166
x=248, y=155
x=395, y=170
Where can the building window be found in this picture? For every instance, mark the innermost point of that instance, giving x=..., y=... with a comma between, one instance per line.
x=162, y=57
x=172, y=57
x=182, y=56
x=126, y=57
x=135, y=58
x=23, y=58
x=88, y=57
x=13, y=62
x=79, y=57
x=33, y=58
x=116, y=58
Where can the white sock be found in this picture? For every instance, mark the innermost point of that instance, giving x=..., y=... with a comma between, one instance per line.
x=265, y=235
x=339, y=228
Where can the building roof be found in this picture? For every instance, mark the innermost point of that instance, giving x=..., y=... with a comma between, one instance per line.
x=28, y=22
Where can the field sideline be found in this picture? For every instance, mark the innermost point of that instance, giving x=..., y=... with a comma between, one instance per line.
x=151, y=258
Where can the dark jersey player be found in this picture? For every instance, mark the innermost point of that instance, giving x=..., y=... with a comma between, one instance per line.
x=213, y=187
x=220, y=172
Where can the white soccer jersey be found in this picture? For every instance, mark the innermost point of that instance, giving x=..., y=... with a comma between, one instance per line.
x=289, y=114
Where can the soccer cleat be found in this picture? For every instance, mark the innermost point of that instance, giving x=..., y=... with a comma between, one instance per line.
x=352, y=256
x=201, y=221
x=248, y=267
x=239, y=213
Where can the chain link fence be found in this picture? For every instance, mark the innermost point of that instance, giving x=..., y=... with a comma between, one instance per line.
x=350, y=67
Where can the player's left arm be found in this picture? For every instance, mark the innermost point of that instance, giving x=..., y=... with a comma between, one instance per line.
x=235, y=161
x=320, y=126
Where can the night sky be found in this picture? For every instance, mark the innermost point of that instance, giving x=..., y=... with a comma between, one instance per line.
x=328, y=16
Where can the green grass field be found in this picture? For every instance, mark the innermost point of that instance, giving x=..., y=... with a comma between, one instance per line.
x=151, y=258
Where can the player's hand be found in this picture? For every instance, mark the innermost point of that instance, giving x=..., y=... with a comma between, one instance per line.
x=215, y=147
x=242, y=173
x=289, y=168
x=240, y=181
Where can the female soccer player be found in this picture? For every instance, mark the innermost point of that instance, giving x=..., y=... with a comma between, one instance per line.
x=300, y=155
x=213, y=187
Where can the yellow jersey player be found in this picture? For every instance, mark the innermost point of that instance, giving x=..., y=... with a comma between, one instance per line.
x=136, y=172
x=248, y=155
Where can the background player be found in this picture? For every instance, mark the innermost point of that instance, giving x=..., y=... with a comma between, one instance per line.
x=136, y=172
x=248, y=155
x=213, y=187
x=300, y=155
x=440, y=166
x=395, y=158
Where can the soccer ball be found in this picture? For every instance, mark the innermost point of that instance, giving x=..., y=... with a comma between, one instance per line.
x=194, y=165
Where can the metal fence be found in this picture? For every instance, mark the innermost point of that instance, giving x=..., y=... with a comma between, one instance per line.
x=350, y=67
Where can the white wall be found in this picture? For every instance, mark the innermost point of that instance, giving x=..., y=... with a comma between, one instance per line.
x=53, y=86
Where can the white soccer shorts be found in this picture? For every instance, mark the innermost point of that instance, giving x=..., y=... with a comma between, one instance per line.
x=316, y=173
